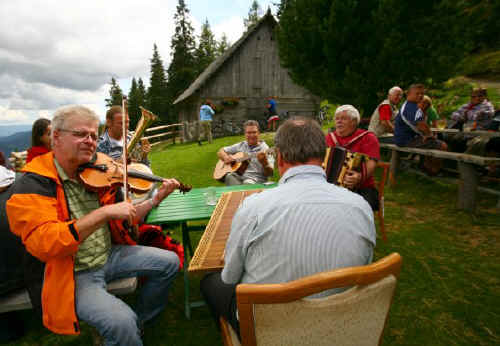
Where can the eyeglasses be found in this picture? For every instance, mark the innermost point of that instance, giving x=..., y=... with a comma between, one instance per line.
x=83, y=135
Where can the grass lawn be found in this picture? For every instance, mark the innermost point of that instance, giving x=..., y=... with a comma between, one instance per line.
x=449, y=289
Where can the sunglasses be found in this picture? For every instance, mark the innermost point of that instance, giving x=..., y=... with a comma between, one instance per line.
x=83, y=135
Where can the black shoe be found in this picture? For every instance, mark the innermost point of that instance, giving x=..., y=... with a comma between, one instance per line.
x=199, y=142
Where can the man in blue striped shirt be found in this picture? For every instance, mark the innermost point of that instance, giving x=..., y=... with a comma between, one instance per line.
x=302, y=227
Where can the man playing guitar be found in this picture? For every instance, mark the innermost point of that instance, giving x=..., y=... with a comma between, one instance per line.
x=260, y=166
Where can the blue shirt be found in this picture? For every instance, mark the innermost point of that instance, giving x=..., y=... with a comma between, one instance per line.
x=302, y=227
x=206, y=113
x=402, y=132
x=272, y=106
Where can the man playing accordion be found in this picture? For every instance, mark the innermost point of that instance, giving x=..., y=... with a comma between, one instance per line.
x=348, y=136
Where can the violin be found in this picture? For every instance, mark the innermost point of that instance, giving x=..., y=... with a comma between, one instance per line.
x=103, y=172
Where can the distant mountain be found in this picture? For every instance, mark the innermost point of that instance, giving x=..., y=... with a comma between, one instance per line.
x=17, y=142
x=7, y=130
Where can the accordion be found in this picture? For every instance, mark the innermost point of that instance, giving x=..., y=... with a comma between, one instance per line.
x=338, y=161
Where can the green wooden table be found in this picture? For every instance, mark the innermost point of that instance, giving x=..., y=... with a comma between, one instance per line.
x=178, y=209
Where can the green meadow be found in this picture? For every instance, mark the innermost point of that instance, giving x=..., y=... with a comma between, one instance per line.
x=449, y=289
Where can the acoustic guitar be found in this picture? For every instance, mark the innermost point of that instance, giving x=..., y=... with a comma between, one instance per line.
x=238, y=166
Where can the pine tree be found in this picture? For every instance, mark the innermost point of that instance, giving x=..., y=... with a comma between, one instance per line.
x=115, y=94
x=281, y=7
x=157, y=101
x=349, y=51
x=182, y=69
x=222, y=45
x=206, y=50
x=253, y=15
x=134, y=111
x=141, y=93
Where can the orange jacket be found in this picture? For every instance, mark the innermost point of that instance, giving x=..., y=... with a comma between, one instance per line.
x=38, y=213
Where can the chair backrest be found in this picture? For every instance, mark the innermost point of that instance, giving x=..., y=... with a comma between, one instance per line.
x=281, y=314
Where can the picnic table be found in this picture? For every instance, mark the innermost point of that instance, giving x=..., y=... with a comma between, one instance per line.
x=467, y=166
x=179, y=209
x=469, y=133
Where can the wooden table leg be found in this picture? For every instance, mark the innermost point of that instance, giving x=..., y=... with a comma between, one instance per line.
x=394, y=167
x=467, y=191
x=187, y=245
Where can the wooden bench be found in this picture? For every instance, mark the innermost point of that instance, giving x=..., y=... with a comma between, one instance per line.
x=20, y=300
x=467, y=167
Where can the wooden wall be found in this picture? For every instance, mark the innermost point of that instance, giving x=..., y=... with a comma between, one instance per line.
x=252, y=74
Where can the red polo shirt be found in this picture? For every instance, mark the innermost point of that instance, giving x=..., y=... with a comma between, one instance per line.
x=367, y=144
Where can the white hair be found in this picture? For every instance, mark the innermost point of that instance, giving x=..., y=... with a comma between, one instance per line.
x=394, y=89
x=63, y=114
x=351, y=111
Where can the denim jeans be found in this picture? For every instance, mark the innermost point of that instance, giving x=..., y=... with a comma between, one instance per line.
x=115, y=321
x=236, y=179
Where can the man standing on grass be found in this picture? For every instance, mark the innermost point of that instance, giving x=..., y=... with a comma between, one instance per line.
x=205, y=122
x=302, y=227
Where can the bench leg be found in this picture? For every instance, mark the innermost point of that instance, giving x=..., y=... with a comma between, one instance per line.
x=394, y=167
x=467, y=192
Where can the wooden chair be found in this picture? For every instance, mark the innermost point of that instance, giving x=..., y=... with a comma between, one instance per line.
x=281, y=314
x=380, y=187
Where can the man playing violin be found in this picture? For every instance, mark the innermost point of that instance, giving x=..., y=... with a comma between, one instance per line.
x=63, y=225
x=260, y=166
x=111, y=141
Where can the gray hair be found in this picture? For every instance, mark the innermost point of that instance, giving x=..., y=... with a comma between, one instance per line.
x=300, y=140
x=63, y=114
x=251, y=123
x=350, y=110
x=395, y=89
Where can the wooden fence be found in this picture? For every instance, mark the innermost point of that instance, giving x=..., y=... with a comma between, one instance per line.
x=173, y=131
x=18, y=159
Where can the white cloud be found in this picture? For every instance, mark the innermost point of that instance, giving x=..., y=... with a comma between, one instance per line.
x=11, y=116
x=232, y=27
x=56, y=52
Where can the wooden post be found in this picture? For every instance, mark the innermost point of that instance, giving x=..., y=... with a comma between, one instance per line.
x=467, y=192
x=394, y=167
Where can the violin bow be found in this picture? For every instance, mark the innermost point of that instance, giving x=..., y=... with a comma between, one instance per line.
x=124, y=152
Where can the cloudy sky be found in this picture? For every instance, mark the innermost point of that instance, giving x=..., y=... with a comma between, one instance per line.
x=55, y=53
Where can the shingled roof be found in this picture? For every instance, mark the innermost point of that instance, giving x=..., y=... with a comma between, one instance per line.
x=217, y=63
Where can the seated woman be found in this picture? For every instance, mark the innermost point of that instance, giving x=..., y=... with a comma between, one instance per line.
x=40, y=139
x=348, y=135
x=431, y=116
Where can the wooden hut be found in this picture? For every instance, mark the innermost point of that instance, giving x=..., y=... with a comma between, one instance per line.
x=239, y=82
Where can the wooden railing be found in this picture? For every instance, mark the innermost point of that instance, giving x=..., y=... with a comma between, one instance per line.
x=173, y=131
